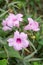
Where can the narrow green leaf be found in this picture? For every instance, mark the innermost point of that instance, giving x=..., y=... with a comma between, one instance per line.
x=2, y=54
x=12, y=53
x=41, y=42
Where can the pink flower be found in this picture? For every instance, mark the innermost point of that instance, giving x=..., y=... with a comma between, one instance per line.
x=12, y=20
x=5, y=28
x=33, y=25
x=19, y=41
x=16, y=19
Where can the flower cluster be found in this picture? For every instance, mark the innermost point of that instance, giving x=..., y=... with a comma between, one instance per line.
x=33, y=25
x=12, y=20
x=19, y=41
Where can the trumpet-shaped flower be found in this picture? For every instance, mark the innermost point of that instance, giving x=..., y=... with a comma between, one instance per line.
x=19, y=41
x=33, y=25
x=12, y=20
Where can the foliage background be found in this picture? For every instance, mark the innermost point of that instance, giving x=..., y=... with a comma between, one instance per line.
x=30, y=8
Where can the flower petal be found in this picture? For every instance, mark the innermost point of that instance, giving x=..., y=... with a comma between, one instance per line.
x=5, y=28
x=17, y=46
x=16, y=35
x=11, y=41
x=23, y=35
x=25, y=43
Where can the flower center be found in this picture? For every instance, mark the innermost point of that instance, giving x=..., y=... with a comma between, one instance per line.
x=30, y=23
x=14, y=19
x=18, y=40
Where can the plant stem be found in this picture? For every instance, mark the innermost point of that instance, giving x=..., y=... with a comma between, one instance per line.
x=6, y=52
x=27, y=50
x=34, y=59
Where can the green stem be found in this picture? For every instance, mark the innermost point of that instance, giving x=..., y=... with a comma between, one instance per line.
x=34, y=59
x=27, y=50
x=6, y=52
x=29, y=56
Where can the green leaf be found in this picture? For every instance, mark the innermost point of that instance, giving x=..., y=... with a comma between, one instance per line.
x=36, y=63
x=2, y=54
x=3, y=62
x=41, y=42
x=12, y=53
x=37, y=36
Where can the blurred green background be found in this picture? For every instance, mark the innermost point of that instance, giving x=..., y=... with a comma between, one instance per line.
x=29, y=8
